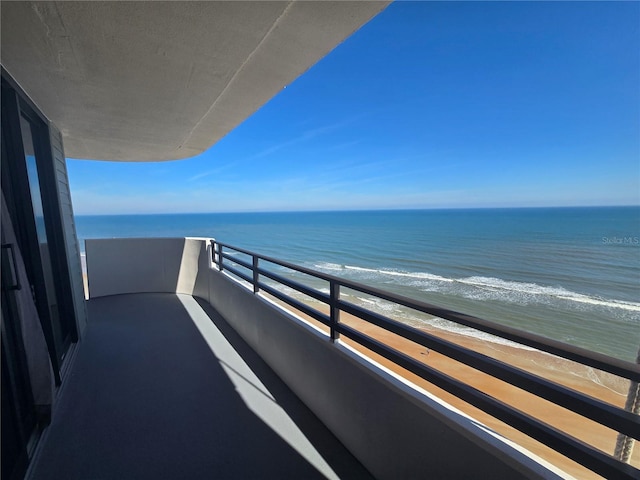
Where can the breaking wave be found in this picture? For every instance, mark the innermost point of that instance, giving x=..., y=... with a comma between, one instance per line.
x=477, y=287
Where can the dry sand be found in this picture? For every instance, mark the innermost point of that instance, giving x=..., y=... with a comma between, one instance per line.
x=601, y=385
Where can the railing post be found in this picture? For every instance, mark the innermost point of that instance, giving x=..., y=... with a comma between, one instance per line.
x=334, y=311
x=220, y=257
x=256, y=286
x=624, y=444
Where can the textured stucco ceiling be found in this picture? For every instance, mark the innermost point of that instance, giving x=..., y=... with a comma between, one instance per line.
x=148, y=81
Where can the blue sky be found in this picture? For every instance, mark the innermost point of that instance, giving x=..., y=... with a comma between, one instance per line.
x=430, y=105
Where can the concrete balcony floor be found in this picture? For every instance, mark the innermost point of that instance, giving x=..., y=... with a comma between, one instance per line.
x=162, y=388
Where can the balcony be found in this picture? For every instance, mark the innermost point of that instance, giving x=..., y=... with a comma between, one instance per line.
x=162, y=387
x=186, y=371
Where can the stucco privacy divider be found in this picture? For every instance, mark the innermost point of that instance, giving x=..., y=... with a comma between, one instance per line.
x=395, y=430
x=144, y=265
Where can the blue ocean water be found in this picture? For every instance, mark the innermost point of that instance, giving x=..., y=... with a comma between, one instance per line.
x=572, y=274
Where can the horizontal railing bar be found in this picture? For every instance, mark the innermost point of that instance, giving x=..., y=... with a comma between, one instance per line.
x=600, y=361
x=232, y=259
x=300, y=287
x=567, y=445
x=592, y=408
x=283, y=263
x=312, y=312
x=237, y=249
x=238, y=273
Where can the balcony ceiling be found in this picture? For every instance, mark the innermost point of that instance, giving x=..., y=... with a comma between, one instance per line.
x=149, y=81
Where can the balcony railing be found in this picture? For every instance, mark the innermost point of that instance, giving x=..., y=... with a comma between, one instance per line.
x=250, y=267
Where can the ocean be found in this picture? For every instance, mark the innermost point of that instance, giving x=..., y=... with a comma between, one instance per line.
x=572, y=274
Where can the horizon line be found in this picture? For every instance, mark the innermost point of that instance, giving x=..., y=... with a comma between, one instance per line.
x=383, y=209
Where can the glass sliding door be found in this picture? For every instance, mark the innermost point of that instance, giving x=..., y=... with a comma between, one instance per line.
x=30, y=192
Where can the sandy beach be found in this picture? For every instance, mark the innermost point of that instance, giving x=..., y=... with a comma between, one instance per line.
x=601, y=385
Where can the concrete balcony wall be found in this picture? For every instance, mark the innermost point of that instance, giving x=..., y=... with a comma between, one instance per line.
x=147, y=265
x=394, y=430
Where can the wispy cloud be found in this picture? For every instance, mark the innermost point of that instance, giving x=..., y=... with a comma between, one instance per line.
x=305, y=137
x=343, y=145
x=214, y=171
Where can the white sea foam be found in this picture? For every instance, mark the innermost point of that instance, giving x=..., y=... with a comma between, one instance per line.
x=576, y=297
x=530, y=288
x=328, y=266
x=483, y=288
x=533, y=289
x=396, y=273
x=393, y=273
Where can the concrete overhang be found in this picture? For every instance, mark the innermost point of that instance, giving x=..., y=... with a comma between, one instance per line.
x=149, y=81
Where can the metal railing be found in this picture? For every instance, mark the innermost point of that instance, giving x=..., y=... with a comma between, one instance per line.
x=620, y=420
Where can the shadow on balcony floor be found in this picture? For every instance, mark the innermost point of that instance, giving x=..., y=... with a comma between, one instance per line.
x=163, y=388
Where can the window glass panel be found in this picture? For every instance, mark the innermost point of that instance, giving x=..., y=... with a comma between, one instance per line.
x=38, y=211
